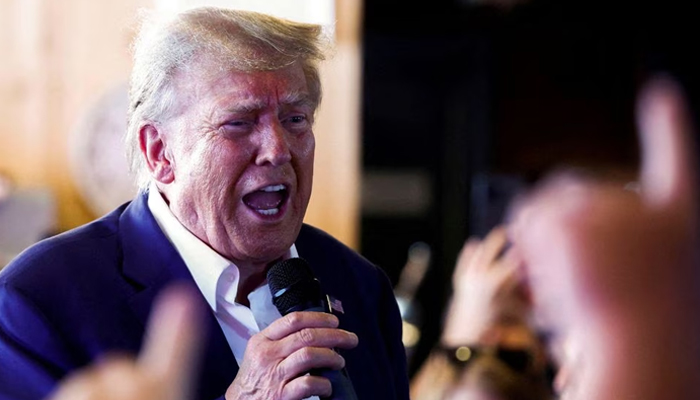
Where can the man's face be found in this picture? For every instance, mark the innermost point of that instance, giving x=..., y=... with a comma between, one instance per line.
x=241, y=148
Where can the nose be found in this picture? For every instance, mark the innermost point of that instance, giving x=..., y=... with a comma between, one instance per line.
x=274, y=146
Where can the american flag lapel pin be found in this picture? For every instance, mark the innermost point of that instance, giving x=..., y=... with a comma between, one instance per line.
x=336, y=305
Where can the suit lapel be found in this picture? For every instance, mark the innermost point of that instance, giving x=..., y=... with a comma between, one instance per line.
x=150, y=263
x=321, y=264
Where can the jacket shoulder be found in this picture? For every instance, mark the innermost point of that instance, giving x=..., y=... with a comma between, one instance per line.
x=64, y=254
x=320, y=247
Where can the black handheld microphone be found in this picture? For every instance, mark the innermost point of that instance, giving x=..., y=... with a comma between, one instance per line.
x=294, y=288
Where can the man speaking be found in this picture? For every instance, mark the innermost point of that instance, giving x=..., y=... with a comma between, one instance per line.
x=222, y=105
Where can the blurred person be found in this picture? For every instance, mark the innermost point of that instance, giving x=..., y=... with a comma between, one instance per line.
x=615, y=270
x=488, y=348
x=222, y=104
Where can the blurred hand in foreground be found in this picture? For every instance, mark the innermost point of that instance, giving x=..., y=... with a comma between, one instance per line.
x=165, y=367
x=617, y=270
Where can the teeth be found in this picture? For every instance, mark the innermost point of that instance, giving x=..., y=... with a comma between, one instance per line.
x=273, y=188
x=271, y=211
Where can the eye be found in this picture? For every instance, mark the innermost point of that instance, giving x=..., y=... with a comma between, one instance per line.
x=238, y=126
x=297, y=123
x=238, y=123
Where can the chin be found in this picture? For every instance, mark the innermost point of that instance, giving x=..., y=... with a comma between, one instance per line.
x=268, y=250
x=264, y=242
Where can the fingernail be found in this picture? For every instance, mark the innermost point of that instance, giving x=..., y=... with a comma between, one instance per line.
x=334, y=320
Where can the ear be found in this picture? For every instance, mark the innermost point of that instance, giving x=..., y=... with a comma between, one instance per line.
x=154, y=150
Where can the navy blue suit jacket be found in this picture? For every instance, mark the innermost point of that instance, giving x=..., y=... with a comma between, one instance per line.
x=72, y=298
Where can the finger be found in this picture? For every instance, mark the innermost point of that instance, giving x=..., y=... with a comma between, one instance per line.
x=308, y=358
x=507, y=277
x=118, y=377
x=508, y=291
x=112, y=377
x=491, y=247
x=319, y=337
x=307, y=386
x=465, y=257
x=83, y=385
x=513, y=259
x=173, y=339
x=296, y=321
x=668, y=158
x=540, y=238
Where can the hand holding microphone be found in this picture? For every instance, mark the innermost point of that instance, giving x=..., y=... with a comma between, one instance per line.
x=278, y=359
x=294, y=288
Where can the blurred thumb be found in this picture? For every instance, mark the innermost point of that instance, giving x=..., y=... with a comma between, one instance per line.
x=173, y=340
x=668, y=173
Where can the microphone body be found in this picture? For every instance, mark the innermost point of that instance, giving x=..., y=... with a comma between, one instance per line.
x=294, y=288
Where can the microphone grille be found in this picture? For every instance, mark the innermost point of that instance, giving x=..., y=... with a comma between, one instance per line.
x=293, y=285
x=288, y=272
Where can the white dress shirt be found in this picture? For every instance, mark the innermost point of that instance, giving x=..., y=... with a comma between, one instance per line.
x=217, y=278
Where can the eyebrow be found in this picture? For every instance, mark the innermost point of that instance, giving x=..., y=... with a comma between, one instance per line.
x=294, y=99
x=246, y=107
x=298, y=99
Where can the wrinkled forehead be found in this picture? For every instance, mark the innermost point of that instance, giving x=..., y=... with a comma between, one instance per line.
x=210, y=81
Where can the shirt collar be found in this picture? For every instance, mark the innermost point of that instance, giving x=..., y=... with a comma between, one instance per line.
x=205, y=264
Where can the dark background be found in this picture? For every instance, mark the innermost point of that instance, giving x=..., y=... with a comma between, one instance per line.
x=483, y=100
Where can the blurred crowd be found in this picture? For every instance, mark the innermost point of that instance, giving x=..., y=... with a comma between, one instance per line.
x=590, y=291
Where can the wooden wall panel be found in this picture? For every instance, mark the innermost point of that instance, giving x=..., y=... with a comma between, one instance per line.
x=336, y=197
x=57, y=58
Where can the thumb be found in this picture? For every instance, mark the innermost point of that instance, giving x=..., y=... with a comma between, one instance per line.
x=668, y=173
x=173, y=340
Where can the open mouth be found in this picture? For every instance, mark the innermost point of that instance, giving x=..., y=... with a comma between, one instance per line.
x=267, y=201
